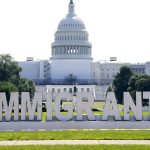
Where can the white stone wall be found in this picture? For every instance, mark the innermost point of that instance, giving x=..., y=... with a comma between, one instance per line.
x=44, y=69
x=102, y=73
x=147, y=68
x=55, y=89
x=61, y=68
x=66, y=88
x=95, y=71
x=30, y=69
x=35, y=69
x=105, y=72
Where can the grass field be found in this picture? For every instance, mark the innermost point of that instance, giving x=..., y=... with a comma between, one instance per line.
x=97, y=110
x=78, y=147
x=78, y=135
x=98, y=106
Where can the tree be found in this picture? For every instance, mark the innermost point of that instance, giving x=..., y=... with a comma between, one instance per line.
x=8, y=87
x=120, y=83
x=143, y=85
x=139, y=83
x=10, y=80
x=9, y=69
x=132, y=86
x=26, y=85
x=110, y=89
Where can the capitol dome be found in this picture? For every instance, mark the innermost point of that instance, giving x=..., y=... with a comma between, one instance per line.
x=71, y=37
x=71, y=50
x=71, y=23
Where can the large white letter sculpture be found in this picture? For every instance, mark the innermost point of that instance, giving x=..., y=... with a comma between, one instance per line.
x=8, y=108
x=111, y=108
x=31, y=107
x=85, y=106
x=136, y=109
x=68, y=107
x=49, y=107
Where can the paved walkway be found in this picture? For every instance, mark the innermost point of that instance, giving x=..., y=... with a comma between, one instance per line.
x=75, y=142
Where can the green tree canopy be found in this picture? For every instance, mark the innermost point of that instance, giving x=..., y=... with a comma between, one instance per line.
x=26, y=85
x=10, y=80
x=120, y=83
x=125, y=80
x=9, y=69
x=8, y=87
x=139, y=83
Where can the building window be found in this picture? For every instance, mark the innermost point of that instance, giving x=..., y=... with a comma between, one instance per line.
x=65, y=90
x=70, y=90
x=94, y=75
x=107, y=75
x=88, y=90
x=76, y=89
x=82, y=89
x=53, y=90
x=59, y=90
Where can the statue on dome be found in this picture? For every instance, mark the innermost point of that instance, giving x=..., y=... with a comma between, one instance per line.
x=71, y=1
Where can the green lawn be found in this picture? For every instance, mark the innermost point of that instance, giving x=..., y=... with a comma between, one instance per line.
x=98, y=106
x=78, y=135
x=78, y=147
x=98, y=110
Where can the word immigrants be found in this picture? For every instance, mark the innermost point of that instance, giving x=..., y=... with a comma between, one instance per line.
x=22, y=108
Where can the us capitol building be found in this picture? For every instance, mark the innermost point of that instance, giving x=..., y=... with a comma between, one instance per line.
x=71, y=63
